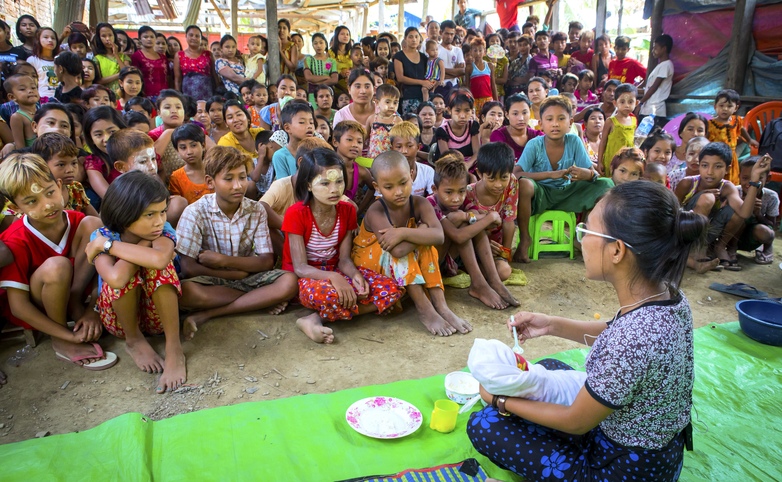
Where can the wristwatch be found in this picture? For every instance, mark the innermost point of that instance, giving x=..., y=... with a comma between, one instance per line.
x=473, y=218
x=501, y=406
x=756, y=184
x=107, y=245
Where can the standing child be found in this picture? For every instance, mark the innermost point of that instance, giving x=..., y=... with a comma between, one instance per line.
x=131, y=84
x=138, y=285
x=324, y=99
x=319, y=233
x=619, y=131
x=465, y=235
x=255, y=64
x=61, y=155
x=404, y=139
x=758, y=233
x=99, y=124
x=623, y=68
x=298, y=121
x=501, y=62
x=339, y=50
x=393, y=242
x=45, y=285
x=189, y=181
x=461, y=131
x=348, y=138
x=23, y=90
x=379, y=125
x=109, y=57
x=496, y=191
x=480, y=75
x=45, y=49
x=319, y=69
x=729, y=128
x=225, y=248
x=435, y=67
x=68, y=69
x=628, y=165
x=259, y=99
x=661, y=78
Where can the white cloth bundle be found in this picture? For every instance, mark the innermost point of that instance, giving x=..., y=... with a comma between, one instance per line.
x=493, y=364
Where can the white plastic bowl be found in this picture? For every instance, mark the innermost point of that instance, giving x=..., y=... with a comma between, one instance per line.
x=461, y=387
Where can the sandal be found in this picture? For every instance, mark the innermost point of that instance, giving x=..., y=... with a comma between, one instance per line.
x=742, y=290
x=730, y=265
x=763, y=258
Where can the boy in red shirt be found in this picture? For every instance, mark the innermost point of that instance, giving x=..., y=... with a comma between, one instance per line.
x=46, y=283
x=623, y=68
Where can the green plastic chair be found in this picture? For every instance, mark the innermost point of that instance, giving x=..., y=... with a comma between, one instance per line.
x=561, y=241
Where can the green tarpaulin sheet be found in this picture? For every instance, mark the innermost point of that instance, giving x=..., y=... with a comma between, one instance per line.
x=737, y=422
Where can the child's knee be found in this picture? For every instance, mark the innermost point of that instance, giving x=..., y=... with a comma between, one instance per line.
x=763, y=233
x=503, y=270
x=176, y=206
x=705, y=202
x=526, y=188
x=288, y=284
x=57, y=269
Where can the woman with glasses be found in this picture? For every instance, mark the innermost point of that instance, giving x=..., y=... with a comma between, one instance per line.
x=632, y=416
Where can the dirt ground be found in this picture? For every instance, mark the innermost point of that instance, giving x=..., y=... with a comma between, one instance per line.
x=262, y=357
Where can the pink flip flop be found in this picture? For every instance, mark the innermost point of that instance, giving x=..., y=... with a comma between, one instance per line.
x=109, y=361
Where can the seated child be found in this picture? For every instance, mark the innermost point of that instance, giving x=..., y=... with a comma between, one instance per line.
x=496, y=191
x=136, y=120
x=285, y=90
x=404, y=139
x=189, y=180
x=45, y=285
x=225, y=248
x=99, y=125
x=656, y=172
x=466, y=234
x=659, y=147
x=138, y=285
x=727, y=127
x=628, y=165
x=329, y=282
x=246, y=89
x=260, y=96
x=555, y=172
x=298, y=121
x=348, y=139
x=98, y=96
x=323, y=127
x=619, y=130
x=397, y=238
x=24, y=91
x=61, y=155
x=379, y=125
x=758, y=232
x=710, y=195
x=460, y=132
x=324, y=99
x=263, y=172
x=692, y=166
x=499, y=370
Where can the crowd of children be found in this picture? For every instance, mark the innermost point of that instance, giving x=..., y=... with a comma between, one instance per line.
x=139, y=183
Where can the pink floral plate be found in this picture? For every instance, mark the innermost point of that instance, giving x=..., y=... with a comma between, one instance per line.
x=383, y=417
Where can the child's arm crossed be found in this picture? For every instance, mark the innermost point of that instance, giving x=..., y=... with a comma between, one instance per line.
x=302, y=269
x=457, y=227
x=118, y=268
x=401, y=241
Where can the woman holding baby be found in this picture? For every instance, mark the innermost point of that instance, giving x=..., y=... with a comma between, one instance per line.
x=631, y=417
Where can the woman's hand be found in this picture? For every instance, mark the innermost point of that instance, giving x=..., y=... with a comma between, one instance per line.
x=530, y=325
x=345, y=293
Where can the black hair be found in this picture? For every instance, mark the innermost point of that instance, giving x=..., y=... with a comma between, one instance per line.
x=262, y=138
x=515, y=99
x=249, y=84
x=95, y=68
x=54, y=106
x=97, y=44
x=77, y=112
x=435, y=96
x=144, y=29
x=70, y=62
x=215, y=99
x=487, y=107
x=368, y=41
x=689, y=117
x=425, y=104
x=382, y=40
x=312, y=164
x=133, y=118
x=236, y=103
x=657, y=135
x=128, y=197
x=542, y=33
x=575, y=24
x=291, y=109
x=142, y=102
x=447, y=24
x=359, y=72
x=188, y=132
x=190, y=27
x=286, y=77
x=728, y=94
x=190, y=105
x=718, y=149
x=661, y=233
x=492, y=35
x=18, y=28
x=326, y=119
x=167, y=94
x=622, y=41
x=626, y=89
x=750, y=162
x=495, y=158
x=459, y=97
x=78, y=38
x=334, y=44
x=104, y=112
x=128, y=71
x=539, y=80
x=665, y=41
x=558, y=36
x=225, y=38
x=591, y=110
x=611, y=82
x=527, y=25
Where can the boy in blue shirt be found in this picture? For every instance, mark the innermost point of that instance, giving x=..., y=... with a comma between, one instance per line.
x=555, y=172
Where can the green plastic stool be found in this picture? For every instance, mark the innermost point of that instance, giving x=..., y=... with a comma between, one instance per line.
x=562, y=242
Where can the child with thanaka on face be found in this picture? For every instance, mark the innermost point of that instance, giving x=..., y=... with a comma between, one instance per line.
x=45, y=284
x=466, y=234
x=225, y=248
x=461, y=131
x=628, y=165
x=555, y=172
x=348, y=139
x=757, y=236
x=298, y=121
x=396, y=239
x=61, y=155
x=319, y=232
x=718, y=199
x=619, y=130
x=255, y=61
x=189, y=181
x=692, y=167
x=23, y=90
x=727, y=127
x=138, y=285
x=379, y=124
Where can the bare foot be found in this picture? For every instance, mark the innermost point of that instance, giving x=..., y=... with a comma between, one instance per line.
x=504, y=293
x=522, y=251
x=487, y=296
x=75, y=350
x=190, y=324
x=3, y=378
x=457, y=323
x=312, y=326
x=174, y=373
x=144, y=355
x=436, y=324
x=702, y=266
x=279, y=308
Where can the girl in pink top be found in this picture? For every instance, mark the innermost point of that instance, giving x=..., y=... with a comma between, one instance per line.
x=153, y=67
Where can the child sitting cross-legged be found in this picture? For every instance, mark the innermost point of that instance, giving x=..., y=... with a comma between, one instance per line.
x=225, y=247
x=397, y=239
x=404, y=139
x=138, y=285
x=348, y=139
x=466, y=234
x=319, y=238
x=555, y=172
x=758, y=233
x=496, y=191
x=61, y=154
x=189, y=181
x=45, y=285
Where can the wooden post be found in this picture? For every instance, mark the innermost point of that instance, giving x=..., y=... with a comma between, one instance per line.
x=555, y=16
x=65, y=12
x=740, y=40
x=381, y=15
x=657, y=30
x=619, y=15
x=425, y=11
x=99, y=12
x=273, y=38
x=235, y=19
x=600, y=23
x=400, y=17
x=365, y=21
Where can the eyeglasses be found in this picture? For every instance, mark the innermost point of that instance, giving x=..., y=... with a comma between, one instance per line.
x=581, y=231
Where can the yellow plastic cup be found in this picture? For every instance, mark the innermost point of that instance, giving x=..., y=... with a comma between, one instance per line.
x=444, y=416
